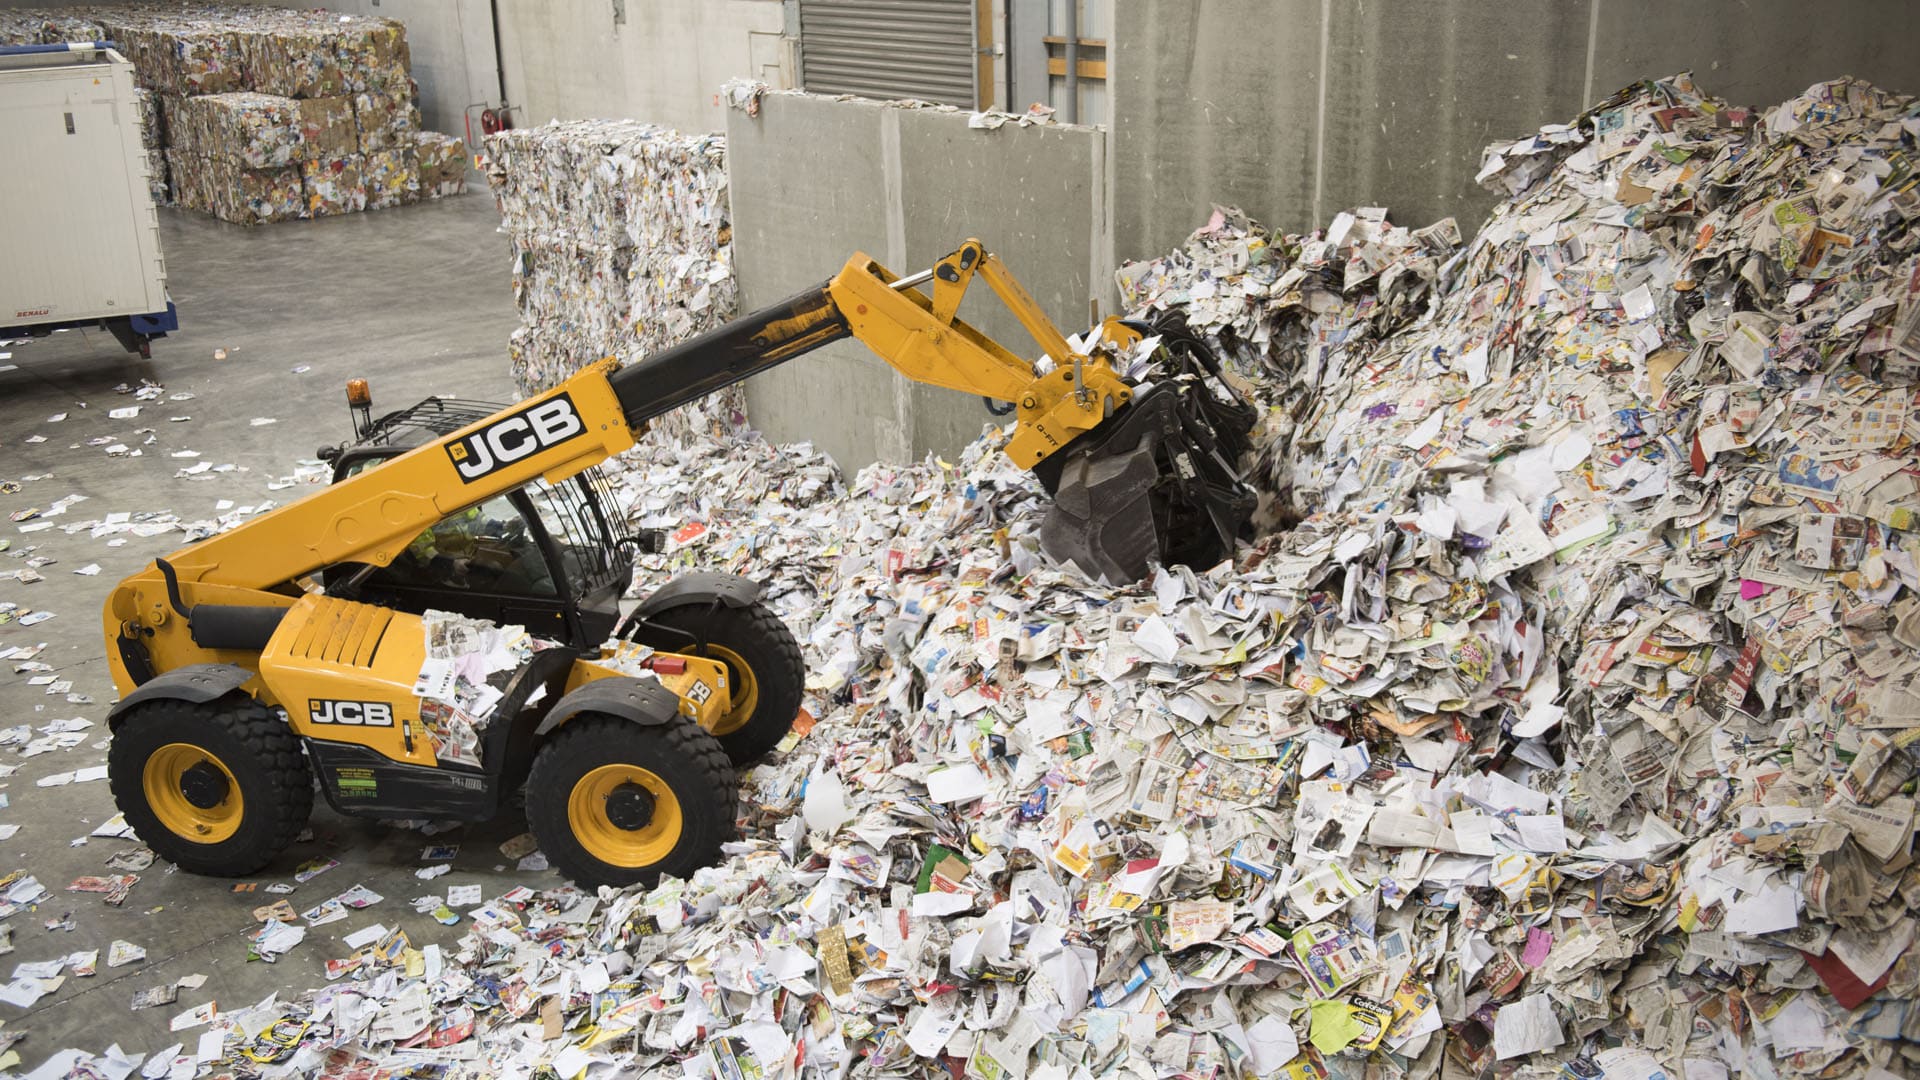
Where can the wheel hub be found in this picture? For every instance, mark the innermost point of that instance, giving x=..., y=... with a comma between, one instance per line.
x=630, y=807
x=624, y=815
x=744, y=690
x=204, y=786
x=193, y=793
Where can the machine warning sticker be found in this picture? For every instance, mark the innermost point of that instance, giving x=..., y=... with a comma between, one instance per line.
x=355, y=783
x=514, y=437
x=356, y=713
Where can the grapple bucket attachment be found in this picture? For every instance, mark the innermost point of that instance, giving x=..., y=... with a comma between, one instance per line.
x=1102, y=515
x=1158, y=482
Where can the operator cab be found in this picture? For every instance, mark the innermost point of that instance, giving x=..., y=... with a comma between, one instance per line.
x=549, y=557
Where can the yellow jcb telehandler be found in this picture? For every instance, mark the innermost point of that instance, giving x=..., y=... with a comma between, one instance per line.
x=287, y=651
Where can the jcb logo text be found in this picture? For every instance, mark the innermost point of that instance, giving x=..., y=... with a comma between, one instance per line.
x=507, y=440
x=357, y=713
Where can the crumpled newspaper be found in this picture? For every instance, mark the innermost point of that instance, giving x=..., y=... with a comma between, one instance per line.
x=468, y=664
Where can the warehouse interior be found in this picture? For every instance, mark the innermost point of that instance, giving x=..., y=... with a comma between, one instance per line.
x=1041, y=539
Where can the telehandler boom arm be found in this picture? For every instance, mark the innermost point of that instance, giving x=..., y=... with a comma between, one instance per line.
x=597, y=413
x=919, y=335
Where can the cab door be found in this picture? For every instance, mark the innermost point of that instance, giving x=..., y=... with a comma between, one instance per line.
x=491, y=561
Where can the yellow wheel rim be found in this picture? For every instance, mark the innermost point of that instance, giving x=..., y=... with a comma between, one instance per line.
x=161, y=779
x=744, y=689
x=588, y=812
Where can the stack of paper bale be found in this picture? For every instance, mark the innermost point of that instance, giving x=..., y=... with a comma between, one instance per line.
x=621, y=236
x=342, y=84
x=236, y=156
x=179, y=55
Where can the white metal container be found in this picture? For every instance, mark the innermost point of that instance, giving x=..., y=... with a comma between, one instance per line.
x=79, y=234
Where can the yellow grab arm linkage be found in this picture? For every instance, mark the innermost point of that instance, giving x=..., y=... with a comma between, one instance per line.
x=924, y=340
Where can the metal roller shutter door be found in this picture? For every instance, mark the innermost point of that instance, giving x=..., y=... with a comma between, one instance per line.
x=889, y=49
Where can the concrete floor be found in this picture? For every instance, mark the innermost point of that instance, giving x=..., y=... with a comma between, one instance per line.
x=418, y=300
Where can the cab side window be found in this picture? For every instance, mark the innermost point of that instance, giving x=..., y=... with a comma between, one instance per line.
x=487, y=548
x=484, y=549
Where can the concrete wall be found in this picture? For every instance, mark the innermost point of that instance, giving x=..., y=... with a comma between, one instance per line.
x=663, y=61
x=1295, y=109
x=814, y=180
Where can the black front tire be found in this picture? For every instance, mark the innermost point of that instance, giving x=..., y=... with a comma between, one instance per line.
x=572, y=826
x=764, y=656
x=261, y=758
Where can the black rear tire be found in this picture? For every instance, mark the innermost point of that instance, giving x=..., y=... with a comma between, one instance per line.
x=764, y=661
x=684, y=771
x=248, y=756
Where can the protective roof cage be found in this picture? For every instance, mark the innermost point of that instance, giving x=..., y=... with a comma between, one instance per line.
x=427, y=420
x=580, y=515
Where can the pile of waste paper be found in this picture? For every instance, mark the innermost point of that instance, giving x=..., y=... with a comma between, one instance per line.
x=1620, y=498
x=621, y=237
x=1568, y=733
